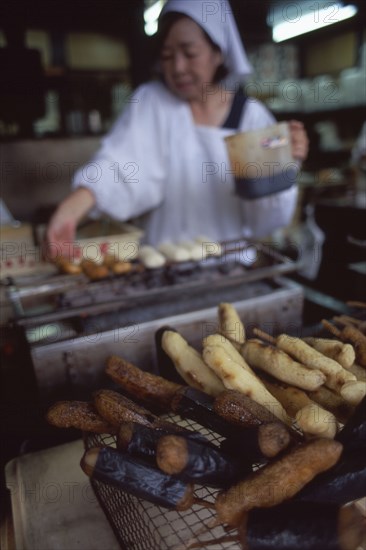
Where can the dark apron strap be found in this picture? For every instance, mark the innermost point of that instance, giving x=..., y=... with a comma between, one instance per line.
x=236, y=111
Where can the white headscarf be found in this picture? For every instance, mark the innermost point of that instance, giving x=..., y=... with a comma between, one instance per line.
x=216, y=18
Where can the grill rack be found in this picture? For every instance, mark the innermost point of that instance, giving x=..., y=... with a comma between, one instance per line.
x=136, y=521
x=71, y=296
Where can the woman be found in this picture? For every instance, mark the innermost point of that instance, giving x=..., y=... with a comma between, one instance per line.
x=165, y=160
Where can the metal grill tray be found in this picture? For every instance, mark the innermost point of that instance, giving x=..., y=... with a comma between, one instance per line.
x=68, y=295
x=140, y=525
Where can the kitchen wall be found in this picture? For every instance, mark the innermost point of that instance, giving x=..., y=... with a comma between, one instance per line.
x=35, y=174
x=93, y=84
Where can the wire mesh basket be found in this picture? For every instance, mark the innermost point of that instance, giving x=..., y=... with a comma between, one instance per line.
x=141, y=525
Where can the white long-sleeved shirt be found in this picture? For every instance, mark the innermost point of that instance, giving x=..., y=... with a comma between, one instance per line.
x=159, y=165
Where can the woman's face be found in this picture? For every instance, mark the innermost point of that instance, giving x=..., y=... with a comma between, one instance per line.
x=188, y=61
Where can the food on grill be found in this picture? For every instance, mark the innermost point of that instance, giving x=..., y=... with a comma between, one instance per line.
x=353, y=392
x=343, y=483
x=359, y=372
x=118, y=267
x=335, y=374
x=210, y=247
x=174, y=253
x=194, y=249
x=190, y=364
x=350, y=334
x=230, y=324
x=150, y=257
x=237, y=418
x=198, y=462
x=311, y=418
x=80, y=415
x=229, y=348
x=93, y=270
x=310, y=525
x=147, y=387
x=280, y=365
x=235, y=377
x=343, y=353
x=198, y=406
x=314, y=420
x=67, y=266
x=258, y=444
x=241, y=410
x=294, y=498
x=138, y=440
x=138, y=478
x=116, y=408
x=333, y=402
x=166, y=367
x=277, y=481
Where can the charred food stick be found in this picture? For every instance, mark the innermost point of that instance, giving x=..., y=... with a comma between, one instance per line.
x=277, y=481
x=197, y=462
x=348, y=320
x=80, y=415
x=335, y=374
x=343, y=353
x=138, y=478
x=343, y=483
x=241, y=410
x=116, y=408
x=235, y=377
x=230, y=324
x=350, y=334
x=229, y=414
x=145, y=386
x=247, y=426
x=288, y=525
x=311, y=418
x=190, y=365
x=280, y=365
x=258, y=444
x=141, y=441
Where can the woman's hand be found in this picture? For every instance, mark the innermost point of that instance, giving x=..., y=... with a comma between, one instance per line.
x=61, y=229
x=299, y=140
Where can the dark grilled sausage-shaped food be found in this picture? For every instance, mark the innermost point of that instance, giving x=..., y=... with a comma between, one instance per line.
x=303, y=525
x=255, y=440
x=80, y=415
x=141, y=441
x=258, y=444
x=241, y=410
x=138, y=478
x=344, y=482
x=144, y=386
x=196, y=462
x=116, y=408
x=277, y=481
